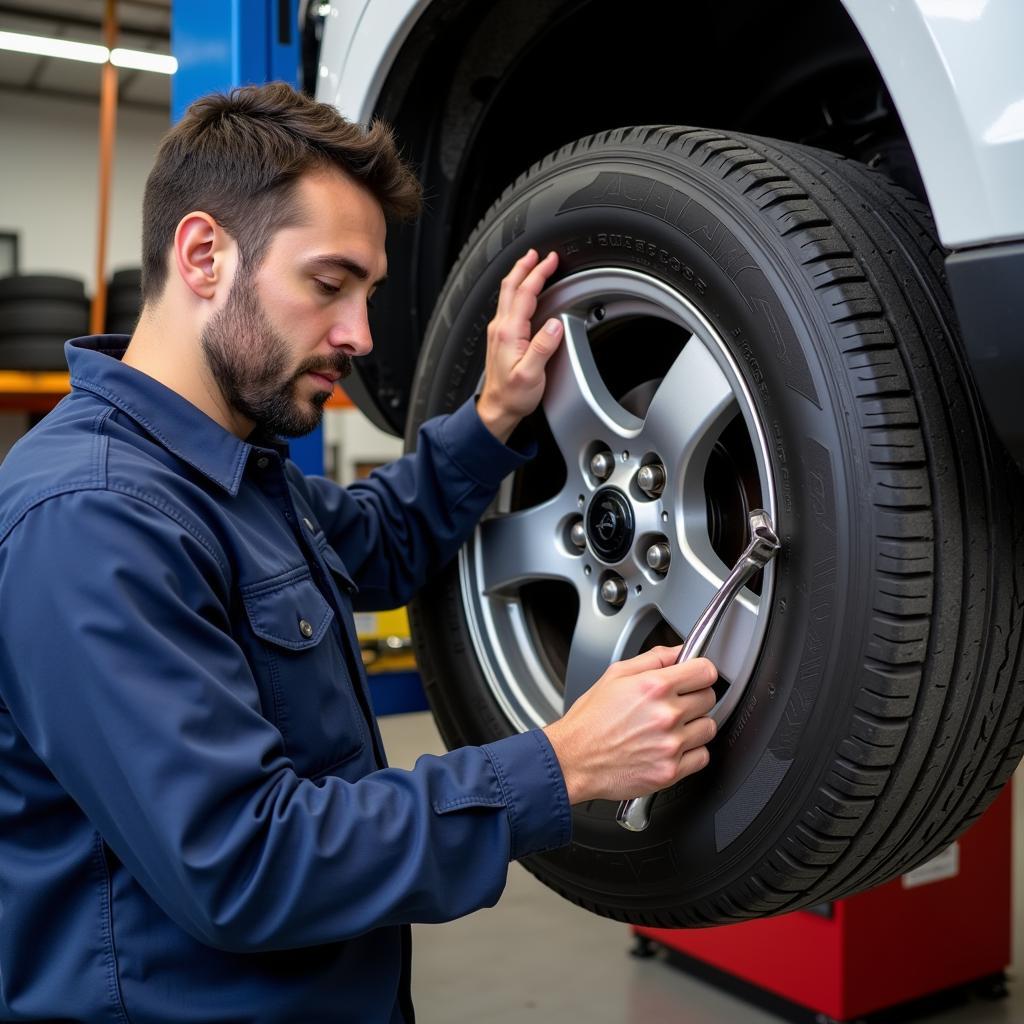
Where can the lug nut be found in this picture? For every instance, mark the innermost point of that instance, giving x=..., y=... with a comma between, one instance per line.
x=613, y=591
x=658, y=556
x=651, y=480
x=602, y=464
x=578, y=535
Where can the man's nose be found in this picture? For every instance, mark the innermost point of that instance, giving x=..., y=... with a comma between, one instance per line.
x=352, y=335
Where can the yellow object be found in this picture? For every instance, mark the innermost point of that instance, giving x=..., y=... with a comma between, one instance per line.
x=34, y=382
x=384, y=640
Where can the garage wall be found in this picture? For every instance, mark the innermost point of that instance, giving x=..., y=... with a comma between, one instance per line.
x=49, y=169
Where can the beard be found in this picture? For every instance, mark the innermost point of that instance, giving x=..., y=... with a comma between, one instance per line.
x=249, y=360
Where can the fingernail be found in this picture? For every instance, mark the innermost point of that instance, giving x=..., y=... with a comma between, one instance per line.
x=553, y=326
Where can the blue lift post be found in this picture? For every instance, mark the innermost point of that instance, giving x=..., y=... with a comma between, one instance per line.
x=219, y=46
x=239, y=42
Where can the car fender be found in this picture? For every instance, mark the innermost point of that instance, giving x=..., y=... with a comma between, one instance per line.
x=951, y=66
x=360, y=43
x=954, y=72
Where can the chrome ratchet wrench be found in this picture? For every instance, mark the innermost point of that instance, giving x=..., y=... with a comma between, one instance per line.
x=635, y=815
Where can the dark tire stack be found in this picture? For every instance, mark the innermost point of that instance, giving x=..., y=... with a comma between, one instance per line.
x=124, y=300
x=38, y=313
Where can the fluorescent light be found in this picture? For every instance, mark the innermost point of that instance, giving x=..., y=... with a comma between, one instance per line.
x=143, y=60
x=47, y=47
x=91, y=53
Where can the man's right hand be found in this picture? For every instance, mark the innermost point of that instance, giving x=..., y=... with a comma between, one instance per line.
x=640, y=728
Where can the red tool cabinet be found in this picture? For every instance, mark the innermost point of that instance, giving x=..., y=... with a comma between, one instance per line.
x=901, y=942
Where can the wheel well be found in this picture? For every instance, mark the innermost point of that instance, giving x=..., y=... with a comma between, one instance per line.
x=480, y=92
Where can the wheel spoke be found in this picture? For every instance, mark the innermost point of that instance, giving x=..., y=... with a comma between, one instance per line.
x=691, y=586
x=730, y=646
x=600, y=639
x=518, y=547
x=578, y=406
x=692, y=405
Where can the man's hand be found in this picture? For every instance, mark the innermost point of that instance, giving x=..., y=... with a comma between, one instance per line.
x=640, y=728
x=514, y=374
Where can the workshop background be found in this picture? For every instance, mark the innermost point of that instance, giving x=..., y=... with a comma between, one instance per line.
x=535, y=957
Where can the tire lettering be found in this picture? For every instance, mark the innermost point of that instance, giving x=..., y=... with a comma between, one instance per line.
x=782, y=474
x=643, y=251
x=744, y=718
x=755, y=370
x=635, y=192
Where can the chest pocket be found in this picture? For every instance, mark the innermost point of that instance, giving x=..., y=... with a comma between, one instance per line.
x=301, y=672
x=338, y=570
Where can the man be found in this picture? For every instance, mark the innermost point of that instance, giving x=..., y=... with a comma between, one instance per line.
x=196, y=818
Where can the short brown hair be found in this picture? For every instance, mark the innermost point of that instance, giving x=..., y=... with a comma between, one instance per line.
x=238, y=157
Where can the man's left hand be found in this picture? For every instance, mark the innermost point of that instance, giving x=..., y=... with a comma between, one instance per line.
x=515, y=372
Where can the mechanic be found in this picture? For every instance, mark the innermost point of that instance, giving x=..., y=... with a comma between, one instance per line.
x=197, y=821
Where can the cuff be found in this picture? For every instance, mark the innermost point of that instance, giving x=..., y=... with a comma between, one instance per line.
x=477, y=452
x=534, y=790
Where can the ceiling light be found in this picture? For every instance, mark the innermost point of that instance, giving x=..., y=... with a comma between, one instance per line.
x=91, y=53
x=46, y=47
x=142, y=60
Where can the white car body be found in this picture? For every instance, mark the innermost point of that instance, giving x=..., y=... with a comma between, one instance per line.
x=953, y=68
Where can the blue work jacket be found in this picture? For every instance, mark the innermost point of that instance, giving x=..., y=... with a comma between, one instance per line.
x=197, y=823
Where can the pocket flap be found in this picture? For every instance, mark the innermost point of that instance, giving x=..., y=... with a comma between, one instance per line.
x=337, y=566
x=290, y=613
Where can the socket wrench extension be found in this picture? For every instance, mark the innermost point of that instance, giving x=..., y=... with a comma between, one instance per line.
x=635, y=815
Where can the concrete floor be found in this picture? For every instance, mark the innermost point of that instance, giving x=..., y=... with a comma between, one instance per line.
x=537, y=958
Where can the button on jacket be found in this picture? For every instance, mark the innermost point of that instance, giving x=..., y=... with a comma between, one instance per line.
x=196, y=819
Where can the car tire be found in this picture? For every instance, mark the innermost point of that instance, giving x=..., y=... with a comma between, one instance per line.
x=33, y=352
x=44, y=317
x=42, y=286
x=874, y=704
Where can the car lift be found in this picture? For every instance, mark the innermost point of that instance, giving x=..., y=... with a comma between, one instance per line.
x=227, y=44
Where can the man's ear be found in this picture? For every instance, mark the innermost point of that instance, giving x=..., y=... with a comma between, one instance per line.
x=203, y=254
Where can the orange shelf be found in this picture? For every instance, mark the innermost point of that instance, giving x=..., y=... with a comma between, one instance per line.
x=34, y=382
x=32, y=390
x=41, y=390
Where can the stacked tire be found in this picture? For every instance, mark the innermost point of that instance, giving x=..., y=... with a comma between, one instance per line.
x=38, y=313
x=124, y=300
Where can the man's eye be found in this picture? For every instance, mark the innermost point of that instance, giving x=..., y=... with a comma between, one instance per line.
x=327, y=289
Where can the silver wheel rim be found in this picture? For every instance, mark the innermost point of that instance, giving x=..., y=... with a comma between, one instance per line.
x=699, y=395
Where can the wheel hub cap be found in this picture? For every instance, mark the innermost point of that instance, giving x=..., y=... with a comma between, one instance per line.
x=610, y=524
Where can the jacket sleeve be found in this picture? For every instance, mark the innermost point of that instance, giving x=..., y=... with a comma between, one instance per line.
x=409, y=518
x=118, y=666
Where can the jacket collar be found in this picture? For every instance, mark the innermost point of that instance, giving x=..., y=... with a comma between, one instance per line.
x=178, y=425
